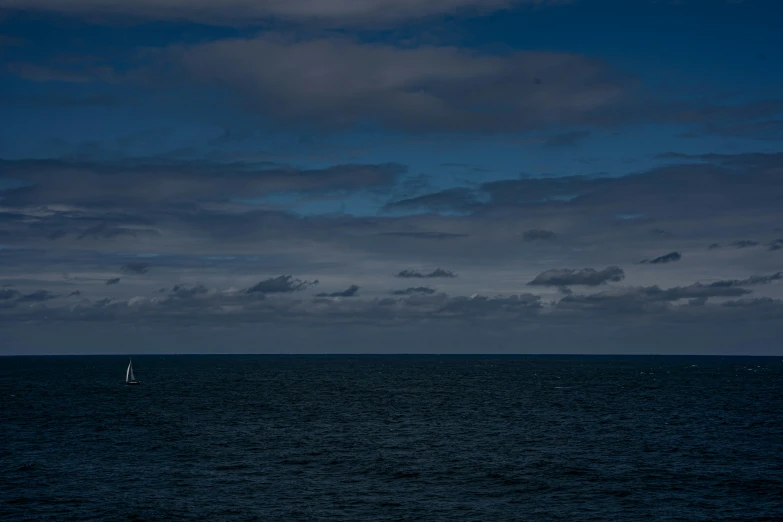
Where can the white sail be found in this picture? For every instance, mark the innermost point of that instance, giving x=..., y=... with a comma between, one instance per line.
x=129, y=373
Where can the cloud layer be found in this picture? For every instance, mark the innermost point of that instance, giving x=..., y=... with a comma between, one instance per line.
x=247, y=12
x=340, y=83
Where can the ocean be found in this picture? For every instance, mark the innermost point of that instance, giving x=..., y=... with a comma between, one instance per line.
x=392, y=438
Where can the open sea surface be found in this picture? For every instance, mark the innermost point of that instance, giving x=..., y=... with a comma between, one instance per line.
x=392, y=438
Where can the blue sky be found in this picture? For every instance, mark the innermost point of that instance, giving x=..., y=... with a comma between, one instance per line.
x=346, y=141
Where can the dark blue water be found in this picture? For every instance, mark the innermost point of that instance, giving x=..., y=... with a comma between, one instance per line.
x=392, y=438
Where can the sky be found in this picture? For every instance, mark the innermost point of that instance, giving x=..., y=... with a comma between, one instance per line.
x=386, y=176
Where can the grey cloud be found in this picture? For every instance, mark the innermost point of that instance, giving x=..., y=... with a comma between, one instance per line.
x=183, y=291
x=41, y=73
x=761, y=302
x=351, y=291
x=666, y=258
x=104, y=231
x=676, y=196
x=763, y=308
x=752, y=280
x=775, y=244
x=9, y=298
x=8, y=293
x=425, y=235
x=334, y=13
x=137, y=268
x=241, y=306
x=744, y=192
x=498, y=307
x=585, y=276
x=458, y=199
x=771, y=130
x=75, y=293
x=651, y=299
x=438, y=272
x=215, y=306
x=745, y=243
x=693, y=291
x=567, y=139
x=414, y=291
x=536, y=234
x=758, y=160
x=281, y=284
x=113, y=281
x=159, y=182
x=754, y=120
x=412, y=89
x=38, y=296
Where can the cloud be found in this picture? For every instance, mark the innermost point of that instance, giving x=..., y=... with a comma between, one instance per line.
x=585, y=276
x=38, y=296
x=424, y=290
x=536, y=234
x=39, y=73
x=334, y=13
x=136, y=267
x=8, y=294
x=183, y=291
x=745, y=243
x=113, y=281
x=241, y=306
x=105, y=231
x=767, y=130
x=438, y=272
x=775, y=244
x=752, y=280
x=762, y=303
x=650, y=299
x=425, y=235
x=351, y=291
x=567, y=139
x=160, y=182
x=9, y=298
x=338, y=83
x=281, y=284
x=743, y=198
x=666, y=258
x=457, y=199
x=197, y=305
x=734, y=181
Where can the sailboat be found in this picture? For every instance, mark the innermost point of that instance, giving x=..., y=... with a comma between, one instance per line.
x=129, y=377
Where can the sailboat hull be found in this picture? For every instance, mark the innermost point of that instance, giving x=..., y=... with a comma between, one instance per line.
x=131, y=383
